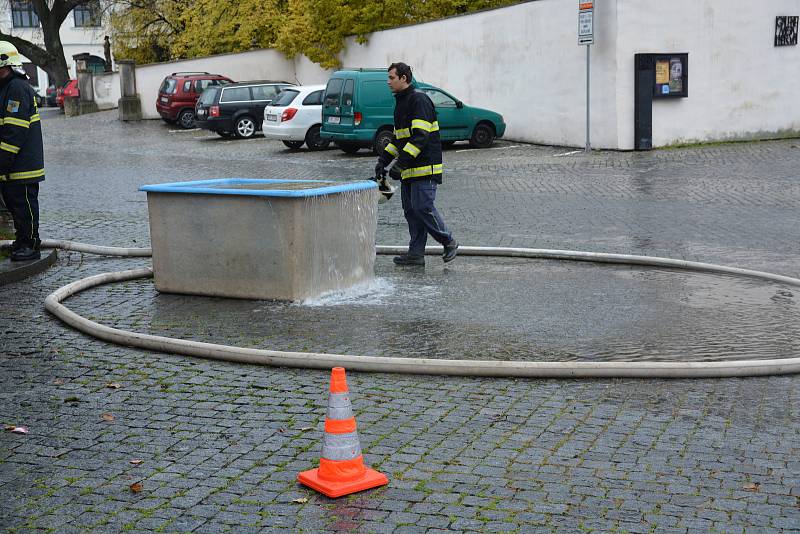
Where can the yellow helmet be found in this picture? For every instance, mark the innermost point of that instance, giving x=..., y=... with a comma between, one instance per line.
x=9, y=56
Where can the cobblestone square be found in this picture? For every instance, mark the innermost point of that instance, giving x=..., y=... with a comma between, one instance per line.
x=216, y=447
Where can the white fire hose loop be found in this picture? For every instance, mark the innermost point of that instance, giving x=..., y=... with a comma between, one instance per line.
x=494, y=368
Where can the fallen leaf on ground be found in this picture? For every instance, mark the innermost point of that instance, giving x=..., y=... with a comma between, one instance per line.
x=58, y=382
x=136, y=488
x=751, y=486
x=306, y=428
x=113, y=385
x=17, y=429
x=301, y=500
x=108, y=416
x=136, y=461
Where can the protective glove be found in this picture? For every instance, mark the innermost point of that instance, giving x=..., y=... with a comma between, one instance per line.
x=380, y=172
x=396, y=172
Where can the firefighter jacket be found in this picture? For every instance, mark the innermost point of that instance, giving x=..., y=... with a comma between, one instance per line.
x=415, y=143
x=21, y=150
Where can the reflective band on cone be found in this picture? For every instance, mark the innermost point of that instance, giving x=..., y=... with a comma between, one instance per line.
x=341, y=469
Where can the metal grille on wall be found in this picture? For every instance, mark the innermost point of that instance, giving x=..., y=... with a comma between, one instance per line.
x=786, y=31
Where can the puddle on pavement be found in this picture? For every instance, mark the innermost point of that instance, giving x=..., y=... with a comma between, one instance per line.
x=488, y=308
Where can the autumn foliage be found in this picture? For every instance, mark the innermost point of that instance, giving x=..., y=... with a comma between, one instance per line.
x=159, y=30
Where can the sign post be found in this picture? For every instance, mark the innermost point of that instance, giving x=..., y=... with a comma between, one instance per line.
x=586, y=37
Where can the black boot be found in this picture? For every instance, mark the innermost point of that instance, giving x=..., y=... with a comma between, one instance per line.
x=409, y=259
x=450, y=251
x=25, y=253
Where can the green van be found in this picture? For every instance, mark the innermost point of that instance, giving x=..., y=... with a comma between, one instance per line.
x=358, y=112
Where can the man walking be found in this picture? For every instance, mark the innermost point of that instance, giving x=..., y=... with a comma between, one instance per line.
x=21, y=153
x=417, y=151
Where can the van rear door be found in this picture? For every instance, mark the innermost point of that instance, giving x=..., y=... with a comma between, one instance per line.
x=337, y=106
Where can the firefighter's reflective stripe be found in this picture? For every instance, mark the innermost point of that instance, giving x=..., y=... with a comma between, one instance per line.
x=26, y=174
x=402, y=133
x=9, y=147
x=416, y=172
x=16, y=122
x=35, y=117
x=391, y=149
x=411, y=149
x=425, y=125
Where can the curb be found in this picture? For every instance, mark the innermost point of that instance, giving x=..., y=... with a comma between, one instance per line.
x=12, y=272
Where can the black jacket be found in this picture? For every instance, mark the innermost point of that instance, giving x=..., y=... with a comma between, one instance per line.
x=21, y=150
x=416, y=141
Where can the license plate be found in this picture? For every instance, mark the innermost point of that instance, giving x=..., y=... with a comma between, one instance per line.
x=272, y=118
x=333, y=120
x=164, y=99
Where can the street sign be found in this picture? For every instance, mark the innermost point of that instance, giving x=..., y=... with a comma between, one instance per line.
x=585, y=22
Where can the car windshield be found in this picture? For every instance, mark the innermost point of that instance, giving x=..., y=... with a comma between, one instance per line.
x=208, y=96
x=168, y=86
x=285, y=98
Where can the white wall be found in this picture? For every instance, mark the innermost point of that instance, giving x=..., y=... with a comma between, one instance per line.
x=252, y=65
x=522, y=61
x=740, y=84
x=106, y=90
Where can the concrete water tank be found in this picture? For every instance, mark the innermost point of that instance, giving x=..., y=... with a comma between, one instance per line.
x=262, y=239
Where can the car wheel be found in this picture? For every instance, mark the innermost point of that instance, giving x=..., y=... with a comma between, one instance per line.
x=314, y=140
x=245, y=127
x=348, y=148
x=382, y=138
x=294, y=145
x=482, y=136
x=186, y=119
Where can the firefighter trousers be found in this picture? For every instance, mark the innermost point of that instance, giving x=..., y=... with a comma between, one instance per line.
x=422, y=217
x=22, y=200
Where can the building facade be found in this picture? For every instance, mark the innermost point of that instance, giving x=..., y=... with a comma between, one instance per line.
x=81, y=32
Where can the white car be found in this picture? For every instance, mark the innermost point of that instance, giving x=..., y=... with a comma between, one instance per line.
x=295, y=117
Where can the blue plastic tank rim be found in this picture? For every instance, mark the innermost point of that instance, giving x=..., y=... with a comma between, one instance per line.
x=212, y=187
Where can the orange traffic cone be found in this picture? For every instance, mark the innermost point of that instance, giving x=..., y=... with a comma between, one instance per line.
x=341, y=469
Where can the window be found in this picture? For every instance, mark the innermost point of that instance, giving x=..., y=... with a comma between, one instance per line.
x=314, y=99
x=264, y=92
x=236, y=94
x=440, y=100
x=200, y=85
x=88, y=15
x=168, y=86
x=23, y=15
x=187, y=86
x=285, y=98
x=347, y=93
x=333, y=92
x=208, y=97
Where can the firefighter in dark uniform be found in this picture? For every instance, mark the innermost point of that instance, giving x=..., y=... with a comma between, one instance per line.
x=417, y=149
x=21, y=153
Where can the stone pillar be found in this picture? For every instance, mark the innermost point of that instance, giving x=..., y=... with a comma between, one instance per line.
x=85, y=102
x=130, y=107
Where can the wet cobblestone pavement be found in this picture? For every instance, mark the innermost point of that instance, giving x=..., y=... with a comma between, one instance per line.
x=216, y=447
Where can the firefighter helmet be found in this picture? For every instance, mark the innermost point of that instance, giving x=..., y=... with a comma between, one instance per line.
x=9, y=56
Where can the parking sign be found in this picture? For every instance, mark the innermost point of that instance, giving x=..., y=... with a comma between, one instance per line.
x=585, y=22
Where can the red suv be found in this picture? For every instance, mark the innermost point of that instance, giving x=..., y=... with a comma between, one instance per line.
x=179, y=93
